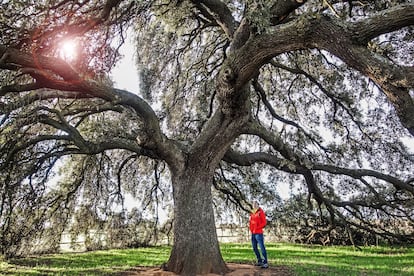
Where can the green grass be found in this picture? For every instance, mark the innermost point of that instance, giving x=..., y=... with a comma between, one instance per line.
x=303, y=260
x=307, y=260
x=105, y=262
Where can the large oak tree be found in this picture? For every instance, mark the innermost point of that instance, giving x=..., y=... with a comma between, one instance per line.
x=316, y=91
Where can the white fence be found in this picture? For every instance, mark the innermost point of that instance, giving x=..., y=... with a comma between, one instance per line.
x=225, y=234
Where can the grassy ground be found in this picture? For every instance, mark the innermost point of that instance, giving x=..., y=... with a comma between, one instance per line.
x=303, y=260
x=331, y=260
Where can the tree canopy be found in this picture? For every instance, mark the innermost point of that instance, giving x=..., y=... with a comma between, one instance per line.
x=239, y=96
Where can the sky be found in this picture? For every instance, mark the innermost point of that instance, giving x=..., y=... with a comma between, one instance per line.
x=125, y=74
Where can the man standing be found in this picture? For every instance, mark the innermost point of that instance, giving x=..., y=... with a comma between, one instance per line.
x=257, y=223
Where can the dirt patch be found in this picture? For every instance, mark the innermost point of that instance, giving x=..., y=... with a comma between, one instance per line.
x=235, y=270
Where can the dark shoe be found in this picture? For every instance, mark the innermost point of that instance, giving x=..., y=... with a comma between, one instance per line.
x=265, y=265
x=258, y=264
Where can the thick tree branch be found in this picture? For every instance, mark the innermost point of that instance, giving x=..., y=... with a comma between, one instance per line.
x=334, y=36
x=42, y=63
x=329, y=199
x=288, y=166
x=281, y=164
x=302, y=33
x=359, y=173
x=241, y=35
x=281, y=9
x=18, y=88
x=54, y=73
x=275, y=141
x=383, y=22
x=38, y=95
x=75, y=142
x=395, y=80
x=220, y=12
x=248, y=159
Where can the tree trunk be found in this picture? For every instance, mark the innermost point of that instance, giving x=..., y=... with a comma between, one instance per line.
x=196, y=249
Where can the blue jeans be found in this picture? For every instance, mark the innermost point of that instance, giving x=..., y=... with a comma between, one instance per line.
x=258, y=239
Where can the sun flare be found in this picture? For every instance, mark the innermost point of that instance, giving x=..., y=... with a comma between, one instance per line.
x=68, y=50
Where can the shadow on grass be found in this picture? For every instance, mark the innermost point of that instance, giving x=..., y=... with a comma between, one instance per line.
x=108, y=262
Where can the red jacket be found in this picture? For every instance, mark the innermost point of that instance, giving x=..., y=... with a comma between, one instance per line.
x=257, y=221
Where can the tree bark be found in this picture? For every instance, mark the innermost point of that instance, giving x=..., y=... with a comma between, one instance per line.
x=196, y=249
